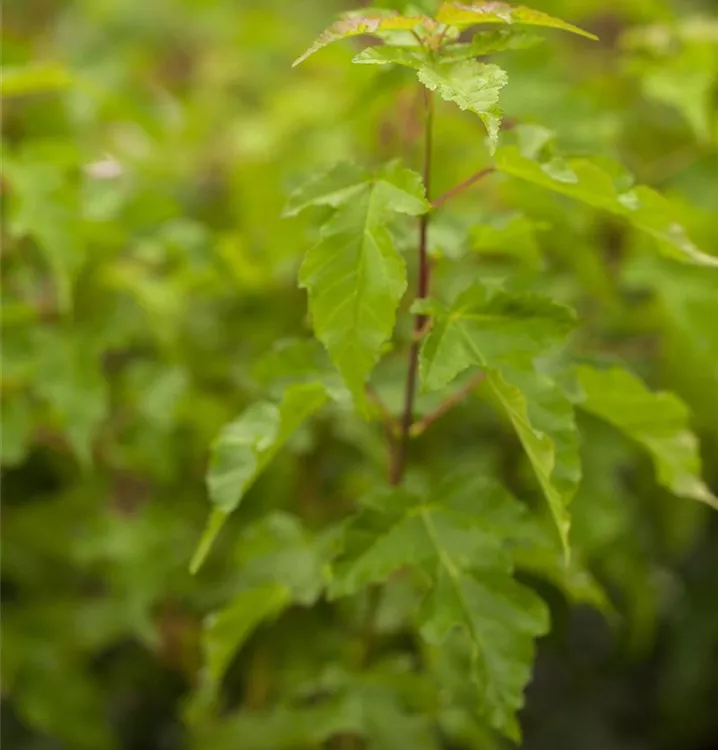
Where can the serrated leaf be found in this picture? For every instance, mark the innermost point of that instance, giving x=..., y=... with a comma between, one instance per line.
x=39, y=78
x=245, y=446
x=504, y=335
x=356, y=25
x=531, y=541
x=355, y=276
x=658, y=421
x=226, y=631
x=472, y=85
x=494, y=331
x=385, y=54
x=461, y=15
x=463, y=557
x=587, y=181
x=489, y=43
x=545, y=424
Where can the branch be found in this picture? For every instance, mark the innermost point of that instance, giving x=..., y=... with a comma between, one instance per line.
x=420, y=426
x=457, y=189
x=398, y=464
x=392, y=425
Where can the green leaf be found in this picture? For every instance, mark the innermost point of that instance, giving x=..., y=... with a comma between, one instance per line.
x=586, y=181
x=483, y=43
x=277, y=549
x=462, y=556
x=44, y=205
x=69, y=378
x=471, y=85
x=511, y=235
x=385, y=54
x=226, y=631
x=244, y=448
x=686, y=83
x=658, y=421
x=489, y=330
x=282, y=727
x=356, y=25
x=504, y=335
x=545, y=424
x=531, y=542
x=460, y=14
x=355, y=275
x=489, y=43
x=17, y=428
x=33, y=79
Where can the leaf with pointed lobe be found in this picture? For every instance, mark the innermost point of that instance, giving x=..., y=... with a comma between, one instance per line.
x=592, y=183
x=489, y=43
x=658, y=421
x=370, y=23
x=471, y=14
x=355, y=276
x=472, y=85
x=385, y=54
x=530, y=539
x=504, y=335
x=489, y=330
x=544, y=421
x=462, y=557
x=245, y=447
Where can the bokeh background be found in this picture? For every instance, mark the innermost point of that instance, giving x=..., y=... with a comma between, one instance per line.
x=148, y=149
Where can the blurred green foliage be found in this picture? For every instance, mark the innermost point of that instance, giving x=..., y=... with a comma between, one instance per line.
x=149, y=295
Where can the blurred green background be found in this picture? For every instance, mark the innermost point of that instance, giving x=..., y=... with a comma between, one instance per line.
x=148, y=149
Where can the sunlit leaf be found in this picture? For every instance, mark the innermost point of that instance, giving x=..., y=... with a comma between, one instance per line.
x=658, y=421
x=470, y=14
x=356, y=25
x=33, y=79
x=385, y=54
x=471, y=85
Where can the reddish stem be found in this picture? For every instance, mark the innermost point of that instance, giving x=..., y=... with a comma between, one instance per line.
x=454, y=399
x=398, y=463
x=462, y=186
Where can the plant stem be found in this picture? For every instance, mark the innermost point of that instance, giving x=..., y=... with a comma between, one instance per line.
x=398, y=464
x=420, y=426
x=462, y=186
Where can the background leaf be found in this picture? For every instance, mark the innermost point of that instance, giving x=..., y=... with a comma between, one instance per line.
x=586, y=181
x=246, y=446
x=658, y=421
